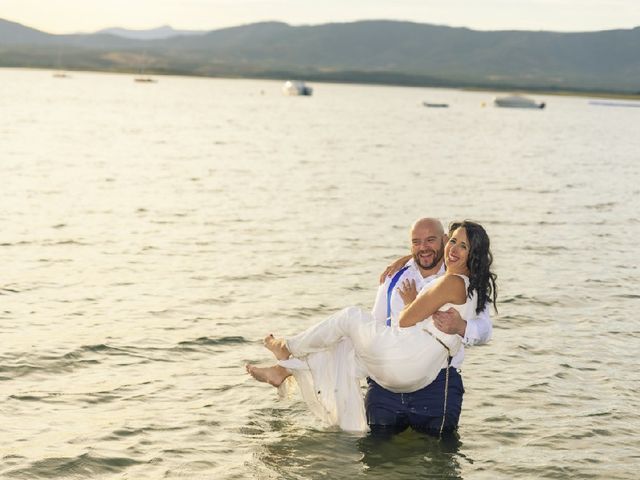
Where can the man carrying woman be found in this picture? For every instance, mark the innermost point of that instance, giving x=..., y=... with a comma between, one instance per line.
x=404, y=351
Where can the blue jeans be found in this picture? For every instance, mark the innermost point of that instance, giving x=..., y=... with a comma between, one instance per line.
x=422, y=410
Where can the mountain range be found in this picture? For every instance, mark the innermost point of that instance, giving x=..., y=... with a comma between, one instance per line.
x=382, y=51
x=162, y=32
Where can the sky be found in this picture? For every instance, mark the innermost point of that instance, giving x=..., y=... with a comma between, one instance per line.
x=72, y=16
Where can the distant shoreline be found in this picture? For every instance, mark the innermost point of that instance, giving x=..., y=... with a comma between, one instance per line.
x=358, y=78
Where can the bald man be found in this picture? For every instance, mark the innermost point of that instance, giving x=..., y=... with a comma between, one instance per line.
x=389, y=412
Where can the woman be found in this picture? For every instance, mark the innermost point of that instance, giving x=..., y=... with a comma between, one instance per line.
x=329, y=359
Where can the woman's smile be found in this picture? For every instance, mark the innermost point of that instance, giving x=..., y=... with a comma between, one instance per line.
x=456, y=251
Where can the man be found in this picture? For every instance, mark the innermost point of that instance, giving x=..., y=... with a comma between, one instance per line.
x=389, y=412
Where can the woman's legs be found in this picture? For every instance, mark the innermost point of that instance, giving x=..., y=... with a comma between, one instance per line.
x=273, y=375
x=277, y=346
x=321, y=336
x=350, y=322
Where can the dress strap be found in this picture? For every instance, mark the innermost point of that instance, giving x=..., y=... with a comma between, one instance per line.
x=465, y=279
x=392, y=284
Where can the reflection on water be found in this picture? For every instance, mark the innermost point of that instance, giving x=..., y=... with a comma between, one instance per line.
x=411, y=452
x=321, y=453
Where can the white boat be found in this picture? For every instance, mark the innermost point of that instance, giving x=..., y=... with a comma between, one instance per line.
x=516, y=101
x=296, y=87
x=607, y=103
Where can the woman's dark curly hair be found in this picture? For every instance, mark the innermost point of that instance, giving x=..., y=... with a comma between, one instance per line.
x=481, y=278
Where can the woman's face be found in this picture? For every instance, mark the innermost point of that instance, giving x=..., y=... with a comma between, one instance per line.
x=456, y=252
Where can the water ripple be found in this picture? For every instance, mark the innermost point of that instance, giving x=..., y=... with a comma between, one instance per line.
x=82, y=466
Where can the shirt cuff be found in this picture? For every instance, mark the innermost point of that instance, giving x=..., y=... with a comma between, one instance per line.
x=470, y=334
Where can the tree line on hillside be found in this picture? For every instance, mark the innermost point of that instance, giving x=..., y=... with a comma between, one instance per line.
x=368, y=51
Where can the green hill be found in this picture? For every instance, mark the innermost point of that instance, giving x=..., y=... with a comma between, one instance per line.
x=367, y=51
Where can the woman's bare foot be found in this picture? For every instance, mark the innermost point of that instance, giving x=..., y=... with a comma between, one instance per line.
x=277, y=346
x=274, y=375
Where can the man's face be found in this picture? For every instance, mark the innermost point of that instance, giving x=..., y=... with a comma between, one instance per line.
x=427, y=246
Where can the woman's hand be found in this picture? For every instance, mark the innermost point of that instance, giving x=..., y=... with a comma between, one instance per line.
x=393, y=267
x=446, y=289
x=408, y=291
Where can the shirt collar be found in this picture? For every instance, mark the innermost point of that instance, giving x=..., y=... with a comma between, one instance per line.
x=412, y=263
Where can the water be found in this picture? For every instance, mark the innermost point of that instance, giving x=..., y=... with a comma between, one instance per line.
x=153, y=233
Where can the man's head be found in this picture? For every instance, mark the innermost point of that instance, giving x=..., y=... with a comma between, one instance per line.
x=427, y=245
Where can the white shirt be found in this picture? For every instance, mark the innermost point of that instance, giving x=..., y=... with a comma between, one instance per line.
x=478, y=330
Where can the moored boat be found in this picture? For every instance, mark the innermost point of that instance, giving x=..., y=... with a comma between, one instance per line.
x=607, y=103
x=516, y=101
x=435, y=105
x=296, y=87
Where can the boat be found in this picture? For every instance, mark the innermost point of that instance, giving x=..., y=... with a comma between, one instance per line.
x=144, y=80
x=142, y=76
x=606, y=103
x=516, y=101
x=59, y=72
x=296, y=87
x=435, y=105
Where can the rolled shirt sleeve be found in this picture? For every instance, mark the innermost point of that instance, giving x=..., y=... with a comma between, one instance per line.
x=479, y=329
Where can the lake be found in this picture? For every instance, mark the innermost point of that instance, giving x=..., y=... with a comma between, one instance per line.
x=153, y=233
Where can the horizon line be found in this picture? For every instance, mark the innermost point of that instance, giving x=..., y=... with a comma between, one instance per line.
x=295, y=25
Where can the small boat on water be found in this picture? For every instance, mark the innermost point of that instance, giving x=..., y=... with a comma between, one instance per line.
x=606, y=103
x=435, y=105
x=516, y=101
x=296, y=87
x=144, y=80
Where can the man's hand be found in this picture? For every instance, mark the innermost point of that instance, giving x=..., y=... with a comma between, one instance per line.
x=450, y=322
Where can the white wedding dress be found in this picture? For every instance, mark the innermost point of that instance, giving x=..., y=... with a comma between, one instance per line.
x=330, y=358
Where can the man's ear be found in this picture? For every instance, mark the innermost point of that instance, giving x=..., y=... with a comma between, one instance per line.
x=445, y=238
